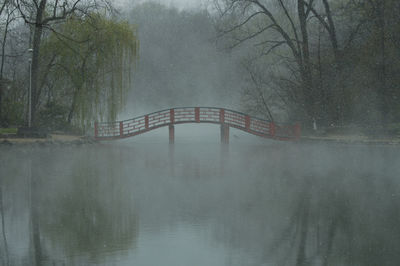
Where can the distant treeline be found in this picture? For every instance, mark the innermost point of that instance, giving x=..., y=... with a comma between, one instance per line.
x=328, y=63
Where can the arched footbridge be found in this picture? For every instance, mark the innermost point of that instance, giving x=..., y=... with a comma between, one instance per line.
x=182, y=115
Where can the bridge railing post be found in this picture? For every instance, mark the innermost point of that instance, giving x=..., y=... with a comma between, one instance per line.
x=272, y=129
x=197, y=114
x=222, y=116
x=146, y=122
x=172, y=115
x=247, y=122
x=121, y=128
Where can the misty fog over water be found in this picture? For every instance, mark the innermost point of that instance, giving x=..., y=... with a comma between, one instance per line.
x=325, y=69
x=179, y=62
x=256, y=202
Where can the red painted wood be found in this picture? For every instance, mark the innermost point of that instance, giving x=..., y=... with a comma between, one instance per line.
x=229, y=118
x=272, y=129
x=146, y=122
x=121, y=128
x=222, y=115
x=197, y=114
x=247, y=122
x=172, y=116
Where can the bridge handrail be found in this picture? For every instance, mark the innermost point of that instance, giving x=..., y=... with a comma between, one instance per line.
x=251, y=124
x=186, y=107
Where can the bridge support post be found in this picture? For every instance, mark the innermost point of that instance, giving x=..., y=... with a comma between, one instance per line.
x=224, y=134
x=171, y=134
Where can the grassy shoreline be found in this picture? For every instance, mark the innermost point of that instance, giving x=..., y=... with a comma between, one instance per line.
x=62, y=139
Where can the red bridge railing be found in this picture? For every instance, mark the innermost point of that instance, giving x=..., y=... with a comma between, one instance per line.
x=181, y=115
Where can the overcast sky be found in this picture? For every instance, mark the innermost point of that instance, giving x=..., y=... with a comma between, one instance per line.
x=181, y=4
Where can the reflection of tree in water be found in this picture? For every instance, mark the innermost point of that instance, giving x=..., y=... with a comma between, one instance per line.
x=86, y=214
x=320, y=212
x=3, y=254
x=302, y=214
x=340, y=221
x=338, y=213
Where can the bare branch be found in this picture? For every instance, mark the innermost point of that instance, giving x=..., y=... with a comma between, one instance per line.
x=240, y=24
x=3, y=6
x=267, y=42
x=64, y=14
x=292, y=24
x=354, y=33
x=309, y=5
x=55, y=8
x=251, y=36
x=23, y=15
x=278, y=44
x=228, y=8
x=279, y=29
x=328, y=25
x=261, y=95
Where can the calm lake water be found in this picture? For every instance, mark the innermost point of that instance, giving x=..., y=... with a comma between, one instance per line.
x=253, y=203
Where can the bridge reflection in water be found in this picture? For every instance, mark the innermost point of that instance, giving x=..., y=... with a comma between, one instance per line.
x=170, y=117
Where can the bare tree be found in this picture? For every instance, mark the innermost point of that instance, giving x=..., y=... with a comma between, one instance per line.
x=283, y=23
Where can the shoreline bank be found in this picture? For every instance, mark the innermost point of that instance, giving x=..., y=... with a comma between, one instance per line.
x=351, y=139
x=60, y=139
x=53, y=139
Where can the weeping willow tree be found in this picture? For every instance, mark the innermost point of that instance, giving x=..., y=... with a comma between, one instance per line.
x=90, y=63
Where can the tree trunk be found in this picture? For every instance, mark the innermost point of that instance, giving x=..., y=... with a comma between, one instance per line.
x=3, y=48
x=385, y=101
x=332, y=33
x=1, y=99
x=305, y=68
x=73, y=106
x=37, y=37
x=336, y=114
